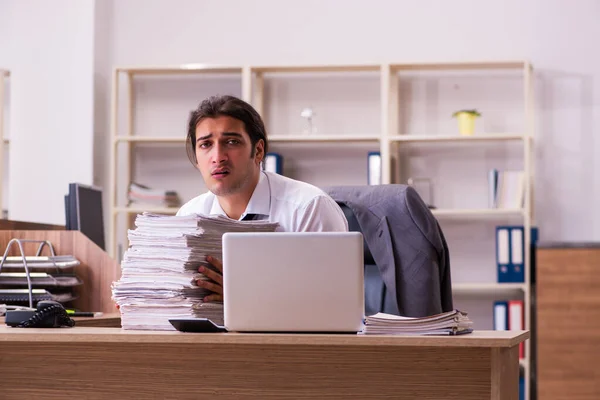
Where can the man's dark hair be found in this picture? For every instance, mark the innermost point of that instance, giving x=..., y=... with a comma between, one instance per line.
x=217, y=106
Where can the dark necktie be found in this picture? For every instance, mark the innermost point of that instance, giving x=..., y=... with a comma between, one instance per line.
x=249, y=217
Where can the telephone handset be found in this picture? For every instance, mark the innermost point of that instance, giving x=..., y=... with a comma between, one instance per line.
x=48, y=314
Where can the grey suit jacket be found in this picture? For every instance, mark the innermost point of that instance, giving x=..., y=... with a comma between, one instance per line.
x=406, y=242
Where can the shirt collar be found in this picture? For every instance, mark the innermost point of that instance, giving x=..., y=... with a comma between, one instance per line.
x=260, y=202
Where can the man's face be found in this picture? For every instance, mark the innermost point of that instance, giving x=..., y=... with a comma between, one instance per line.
x=224, y=154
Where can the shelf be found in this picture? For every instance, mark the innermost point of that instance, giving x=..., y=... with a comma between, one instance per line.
x=272, y=139
x=318, y=68
x=150, y=139
x=150, y=209
x=488, y=287
x=478, y=213
x=323, y=138
x=484, y=137
x=182, y=69
x=211, y=68
x=483, y=212
x=509, y=64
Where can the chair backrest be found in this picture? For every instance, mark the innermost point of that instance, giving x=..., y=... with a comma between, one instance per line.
x=377, y=297
x=407, y=264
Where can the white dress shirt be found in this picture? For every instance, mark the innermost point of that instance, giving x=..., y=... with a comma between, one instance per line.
x=297, y=206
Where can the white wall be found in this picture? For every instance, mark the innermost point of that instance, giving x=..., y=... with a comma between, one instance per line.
x=102, y=106
x=4, y=34
x=5, y=57
x=553, y=35
x=51, y=121
x=60, y=50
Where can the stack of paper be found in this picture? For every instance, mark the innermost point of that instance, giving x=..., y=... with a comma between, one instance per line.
x=160, y=268
x=143, y=195
x=449, y=323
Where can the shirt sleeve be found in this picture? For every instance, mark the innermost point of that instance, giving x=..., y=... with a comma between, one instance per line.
x=322, y=214
x=183, y=210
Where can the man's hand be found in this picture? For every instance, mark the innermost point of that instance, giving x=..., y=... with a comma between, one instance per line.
x=217, y=277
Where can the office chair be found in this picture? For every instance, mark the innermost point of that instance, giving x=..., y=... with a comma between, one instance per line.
x=407, y=263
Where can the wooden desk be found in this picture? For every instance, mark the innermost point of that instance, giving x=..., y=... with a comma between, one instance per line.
x=99, y=363
x=107, y=320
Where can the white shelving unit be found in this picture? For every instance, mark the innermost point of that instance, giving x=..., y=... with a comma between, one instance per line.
x=4, y=141
x=371, y=117
x=520, y=141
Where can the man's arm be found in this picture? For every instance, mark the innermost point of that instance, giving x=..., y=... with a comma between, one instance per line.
x=322, y=214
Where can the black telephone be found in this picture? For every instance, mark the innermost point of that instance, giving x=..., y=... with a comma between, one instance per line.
x=49, y=314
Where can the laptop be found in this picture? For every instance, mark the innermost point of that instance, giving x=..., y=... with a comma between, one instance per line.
x=293, y=281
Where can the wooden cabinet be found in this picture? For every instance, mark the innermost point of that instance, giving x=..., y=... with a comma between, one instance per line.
x=568, y=321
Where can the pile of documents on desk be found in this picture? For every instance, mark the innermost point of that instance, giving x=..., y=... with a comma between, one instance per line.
x=449, y=323
x=160, y=268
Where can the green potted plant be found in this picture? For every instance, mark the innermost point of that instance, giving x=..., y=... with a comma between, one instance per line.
x=466, y=121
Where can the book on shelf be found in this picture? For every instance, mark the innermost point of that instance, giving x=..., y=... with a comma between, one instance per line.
x=143, y=195
x=453, y=322
x=516, y=321
x=506, y=189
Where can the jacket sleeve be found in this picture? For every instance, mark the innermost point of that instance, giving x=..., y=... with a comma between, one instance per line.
x=430, y=272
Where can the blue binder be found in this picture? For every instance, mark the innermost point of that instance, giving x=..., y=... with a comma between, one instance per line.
x=273, y=162
x=501, y=316
x=503, y=261
x=374, y=168
x=510, y=253
x=521, y=387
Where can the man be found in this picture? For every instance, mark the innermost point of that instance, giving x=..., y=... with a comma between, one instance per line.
x=227, y=142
